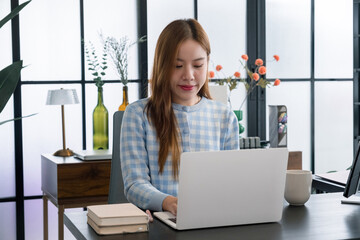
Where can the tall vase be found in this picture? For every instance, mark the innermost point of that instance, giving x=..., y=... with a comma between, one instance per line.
x=239, y=116
x=125, y=102
x=100, y=124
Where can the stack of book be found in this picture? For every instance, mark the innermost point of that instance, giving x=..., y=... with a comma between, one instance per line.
x=117, y=218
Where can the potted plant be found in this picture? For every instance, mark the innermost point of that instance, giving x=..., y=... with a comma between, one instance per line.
x=256, y=78
x=100, y=114
x=118, y=51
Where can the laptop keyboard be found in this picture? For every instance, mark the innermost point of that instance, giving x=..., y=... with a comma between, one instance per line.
x=173, y=219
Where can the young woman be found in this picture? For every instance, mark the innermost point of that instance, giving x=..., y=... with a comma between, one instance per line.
x=179, y=116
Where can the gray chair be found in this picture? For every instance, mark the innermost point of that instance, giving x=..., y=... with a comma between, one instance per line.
x=116, y=188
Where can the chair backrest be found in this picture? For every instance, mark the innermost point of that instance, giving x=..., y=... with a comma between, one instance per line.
x=219, y=93
x=116, y=188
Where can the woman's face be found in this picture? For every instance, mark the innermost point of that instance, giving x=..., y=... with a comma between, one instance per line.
x=189, y=75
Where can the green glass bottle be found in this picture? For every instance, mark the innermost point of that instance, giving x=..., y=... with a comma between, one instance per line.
x=100, y=124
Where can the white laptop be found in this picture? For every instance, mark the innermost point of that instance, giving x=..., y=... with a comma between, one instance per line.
x=89, y=155
x=226, y=188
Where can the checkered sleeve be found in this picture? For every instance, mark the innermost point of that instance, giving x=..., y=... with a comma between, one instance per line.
x=135, y=160
x=232, y=132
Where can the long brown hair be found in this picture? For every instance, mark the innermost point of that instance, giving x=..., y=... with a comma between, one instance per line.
x=159, y=107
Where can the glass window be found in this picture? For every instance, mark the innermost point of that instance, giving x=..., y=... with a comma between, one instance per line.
x=288, y=35
x=227, y=35
x=160, y=13
x=296, y=97
x=333, y=126
x=333, y=39
x=112, y=18
x=50, y=40
x=42, y=133
x=227, y=43
x=7, y=149
x=8, y=220
x=34, y=221
x=5, y=36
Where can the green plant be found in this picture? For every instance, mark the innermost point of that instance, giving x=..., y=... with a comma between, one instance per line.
x=10, y=75
x=118, y=51
x=96, y=66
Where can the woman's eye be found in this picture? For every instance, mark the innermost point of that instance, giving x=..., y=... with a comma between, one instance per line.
x=198, y=66
x=178, y=66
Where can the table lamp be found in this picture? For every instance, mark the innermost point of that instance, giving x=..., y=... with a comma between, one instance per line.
x=62, y=97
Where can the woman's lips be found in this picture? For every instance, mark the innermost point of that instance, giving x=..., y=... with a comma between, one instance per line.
x=187, y=87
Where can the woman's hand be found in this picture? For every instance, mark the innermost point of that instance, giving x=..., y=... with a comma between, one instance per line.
x=170, y=204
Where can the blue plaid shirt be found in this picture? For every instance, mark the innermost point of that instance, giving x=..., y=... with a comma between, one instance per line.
x=206, y=126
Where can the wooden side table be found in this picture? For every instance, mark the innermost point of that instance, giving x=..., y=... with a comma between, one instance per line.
x=69, y=182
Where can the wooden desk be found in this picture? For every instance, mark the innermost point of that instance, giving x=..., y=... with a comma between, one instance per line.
x=322, y=217
x=69, y=182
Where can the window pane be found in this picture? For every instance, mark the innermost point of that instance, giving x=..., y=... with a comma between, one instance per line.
x=8, y=220
x=227, y=43
x=296, y=97
x=333, y=38
x=5, y=36
x=112, y=18
x=42, y=133
x=50, y=40
x=288, y=35
x=333, y=126
x=7, y=171
x=7, y=149
x=34, y=218
x=34, y=221
x=160, y=13
x=112, y=94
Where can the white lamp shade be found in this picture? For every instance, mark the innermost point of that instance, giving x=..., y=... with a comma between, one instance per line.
x=62, y=97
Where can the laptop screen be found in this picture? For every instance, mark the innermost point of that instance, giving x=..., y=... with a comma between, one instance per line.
x=352, y=184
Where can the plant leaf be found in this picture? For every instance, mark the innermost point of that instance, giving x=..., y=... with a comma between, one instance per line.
x=17, y=118
x=263, y=83
x=9, y=78
x=247, y=86
x=13, y=13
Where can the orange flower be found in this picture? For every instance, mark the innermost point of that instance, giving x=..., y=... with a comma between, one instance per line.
x=211, y=74
x=245, y=57
x=237, y=74
x=277, y=58
x=218, y=67
x=255, y=76
x=259, y=62
x=262, y=70
x=277, y=82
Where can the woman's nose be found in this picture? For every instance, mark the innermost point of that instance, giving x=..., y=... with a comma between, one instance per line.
x=188, y=73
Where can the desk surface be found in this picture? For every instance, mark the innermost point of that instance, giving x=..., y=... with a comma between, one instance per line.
x=322, y=217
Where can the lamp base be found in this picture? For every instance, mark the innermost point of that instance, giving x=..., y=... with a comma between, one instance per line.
x=64, y=153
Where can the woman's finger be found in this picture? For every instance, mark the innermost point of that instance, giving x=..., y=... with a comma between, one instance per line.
x=149, y=215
